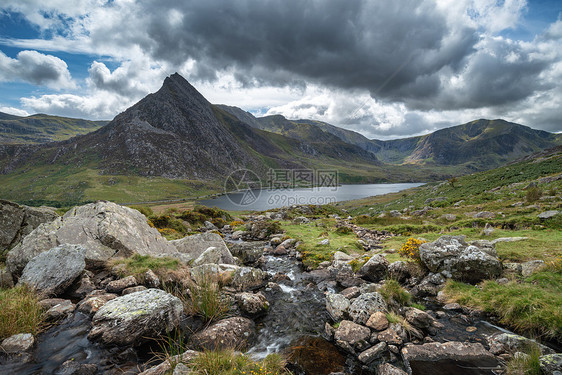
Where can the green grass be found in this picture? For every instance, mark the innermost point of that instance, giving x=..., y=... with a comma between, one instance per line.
x=394, y=294
x=311, y=234
x=228, y=362
x=137, y=265
x=205, y=298
x=20, y=312
x=528, y=364
x=531, y=306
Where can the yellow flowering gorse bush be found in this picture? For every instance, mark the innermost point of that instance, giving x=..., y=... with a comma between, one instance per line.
x=411, y=249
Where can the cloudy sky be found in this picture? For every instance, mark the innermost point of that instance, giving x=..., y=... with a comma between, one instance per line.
x=386, y=69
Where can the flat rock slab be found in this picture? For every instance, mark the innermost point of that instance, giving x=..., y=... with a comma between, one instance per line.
x=449, y=358
x=53, y=271
x=136, y=317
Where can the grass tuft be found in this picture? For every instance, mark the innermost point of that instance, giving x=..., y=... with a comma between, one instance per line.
x=394, y=294
x=228, y=362
x=205, y=298
x=20, y=312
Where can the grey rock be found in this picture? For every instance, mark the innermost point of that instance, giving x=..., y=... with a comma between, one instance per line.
x=17, y=221
x=340, y=256
x=191, y=247
x=133, y=289
x=60, y=311
x=530, y=267
x=117, y=286
x=551, y=364
x=399, y=271
x=548, y=214
x=372, y=353
x=375, y=269
x=388, y=369
x=83, y=286
x=237, y=332
x=91, y=304
x=447, y=358
x=105, y=229
x=53, y=271
x=337, y=306
x=215, y=255
x=151, y=280
x=301, y=220
x=452, y=256
x=449, y=217
x=324, y=242
x=6, y=279
x=391, y=336
x=366, y=305
x=252, y=304
x=71, y=367
x=484, y=215
x=351, y=333
x=247, y=278
x=181, y=369
x=418, y=318
x=248, y=252
x=512, y=343
x=135, y=318
x=17, y=344
x=429, y=285
x=165, y=367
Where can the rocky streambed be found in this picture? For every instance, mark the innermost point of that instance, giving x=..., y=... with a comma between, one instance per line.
x=331, y=320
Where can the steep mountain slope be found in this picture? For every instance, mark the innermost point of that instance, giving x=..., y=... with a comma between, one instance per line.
x=172, y=143
x=42, y=128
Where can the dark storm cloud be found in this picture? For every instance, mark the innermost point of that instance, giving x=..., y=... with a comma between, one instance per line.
x=384, y=47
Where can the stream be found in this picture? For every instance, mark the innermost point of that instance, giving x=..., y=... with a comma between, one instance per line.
x=293, y=326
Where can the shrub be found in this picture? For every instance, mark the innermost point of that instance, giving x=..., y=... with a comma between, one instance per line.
x=146, y=211
x=20, y=312
x=533, y=194
x=411, y=249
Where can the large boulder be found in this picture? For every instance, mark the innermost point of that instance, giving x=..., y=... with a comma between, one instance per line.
x=235, y=333
x=375, y=269
x=52, y=272
x=448, y=358
x=105, y=229
x=215, y=255
x=191, y=247
x=248, y=252
x=454, y=258
x=135, y=318
x=17, y=221
x=366, y=305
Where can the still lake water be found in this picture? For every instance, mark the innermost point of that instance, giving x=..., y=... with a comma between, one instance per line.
x=261, y=200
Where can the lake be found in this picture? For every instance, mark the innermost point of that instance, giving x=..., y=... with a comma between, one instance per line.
x=261, y=200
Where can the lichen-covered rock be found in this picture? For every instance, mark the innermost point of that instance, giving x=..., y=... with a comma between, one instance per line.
x=530, y=267
x=117, y=286
x=248, y=252
x=252, y=304
x=551, y=364
x=548, y=214
x=372, y=353
x=151, y=280
x=512, y=343
x=191, y=247
x=53, y=271
x=136, y=317
x=447, y=358
x=214, y=255
x=388, y=369
x=247, y=278
x=17, y=221
x=337, y=306
x=105, y=229
x=454, y=258
x=366, y=305
x=17, y=344
x=375, y=269
x=351, y=333
x=234, y=333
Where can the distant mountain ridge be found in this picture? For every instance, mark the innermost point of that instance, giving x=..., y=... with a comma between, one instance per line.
x=41, y=128
x=477, y=145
